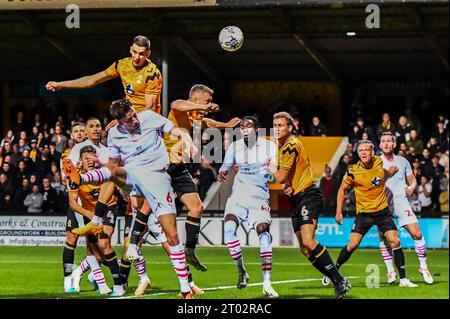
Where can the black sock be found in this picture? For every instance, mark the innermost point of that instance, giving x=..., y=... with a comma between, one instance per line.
x=113, y=265
x=192, y=227
x=324, y=264
x=399, y=260
x=100, y=209
x=343, y=257
x=189, y=275
x=125, y=267
x=68, y=258
x=139, y=224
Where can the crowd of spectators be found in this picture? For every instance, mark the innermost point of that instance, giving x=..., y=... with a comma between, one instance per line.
x=428, y=155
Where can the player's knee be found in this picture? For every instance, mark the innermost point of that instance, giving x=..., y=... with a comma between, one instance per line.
x=309, y=244
x=351, y=246
x=395, y=242
x=172, y=237
x=197, y=210
x=265, y=239
x=229, y=229
x=305, y=251
x=417, y=235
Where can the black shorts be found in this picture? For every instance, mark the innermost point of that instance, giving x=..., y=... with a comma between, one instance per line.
x=182, y=181
x=306, y=207
x=72, y=221
x=127, y=229
x=383, y=219
x=110, y=216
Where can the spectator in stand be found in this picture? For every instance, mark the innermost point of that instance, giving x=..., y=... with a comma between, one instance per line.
x=34, y=179
x=59, y=139
x=413, y=120
x=8, y=137
x=23, y=135
x=424, y=191
x=15, y=155
x=207, y=176
x=297, y=129
x=341, y=169
x=437, y=173
x=354, y=135
x=34, y=152
x=20, y=124
x=349, y=208
x=7, y=148
x=415, y=203
x=403, y=130
x=1, y=156
x=363, y=127
x=50, y=199
x=41, y=140
x=7, y=170
x=316, y=128
x=425, y=162
x=34, y=200
x=38, y=123
x=6, y=185
x=23, y=145
x=329, y=190
x=386, y=125
x=43, y=164
x=20, y=172
x=7, y=203
x=57, y=183
x=417, y=170
x=442, y=135
x=443, y=197
x=54, y=155
x=20, y=196
x=414, y=145
x=28, y=161
x=433, y=146
x=34, y=133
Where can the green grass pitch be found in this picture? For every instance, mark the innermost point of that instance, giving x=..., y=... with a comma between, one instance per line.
x=36, y=272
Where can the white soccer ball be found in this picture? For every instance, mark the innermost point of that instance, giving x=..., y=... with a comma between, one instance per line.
x=231, y=38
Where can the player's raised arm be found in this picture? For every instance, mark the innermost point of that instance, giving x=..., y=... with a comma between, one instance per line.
x=80, y=83
x=73, y=203
x=187, y=106
x=216, y=124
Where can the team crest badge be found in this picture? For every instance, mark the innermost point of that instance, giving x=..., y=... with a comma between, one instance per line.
x=376, y=181
x=129, y=88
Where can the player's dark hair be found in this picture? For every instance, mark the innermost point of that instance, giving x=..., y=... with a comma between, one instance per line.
x=141, y=41
x=88, y=149
x=253, y=119
x=77, y=124
x=93, y=118
x=200, y=88
x=286, y=116
x=119, y=108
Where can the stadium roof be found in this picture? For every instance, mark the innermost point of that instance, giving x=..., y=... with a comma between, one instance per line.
x=307, y=42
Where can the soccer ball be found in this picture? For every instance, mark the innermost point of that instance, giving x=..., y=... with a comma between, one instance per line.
x=231, y=38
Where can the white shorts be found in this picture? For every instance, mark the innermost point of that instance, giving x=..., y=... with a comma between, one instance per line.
x=156, y=188
x=255, y=213
x=403, y=211
x=155, y=234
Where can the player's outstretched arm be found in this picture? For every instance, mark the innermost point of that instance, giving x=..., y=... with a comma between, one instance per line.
x=216, y=124
x=80, y=83
x=412, y=184
x=187, y=106
x=73, y=203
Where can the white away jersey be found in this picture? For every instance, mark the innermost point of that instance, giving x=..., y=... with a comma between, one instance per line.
x=397, y=183
x=102, y=152
x=253, y=175
x=144, y=149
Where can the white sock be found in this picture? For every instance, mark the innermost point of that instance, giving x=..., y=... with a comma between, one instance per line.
x=421, y=251
x=178, y=259
x=83, y=267
x=265, y=241
x=96, y=270
x=387, y=256
x=96, y=176
x=140, y=268
x=234, y=245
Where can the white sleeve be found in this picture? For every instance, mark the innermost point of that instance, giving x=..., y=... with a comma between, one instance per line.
x=158, y=121
x=74, y=154
x=228, y=160
x=408, y=170
x=113, y=150
x=273, y=152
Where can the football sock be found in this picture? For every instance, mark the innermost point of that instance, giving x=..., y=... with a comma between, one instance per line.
x=399, y=260
x=323, y=263
x=139, y=225
x=113, y=265
x=68, y=258
x=386, y=252
x=192, y=227
x=96, y=176
x=343, y=257
x=140, y=268
x=265, y=242
x=421, y=251
x=178, y=259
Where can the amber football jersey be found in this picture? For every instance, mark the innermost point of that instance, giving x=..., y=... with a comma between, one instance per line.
x=292, y=157
x=137, y=83
x=191, y=121
x=88, y=195
x=369, y=186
